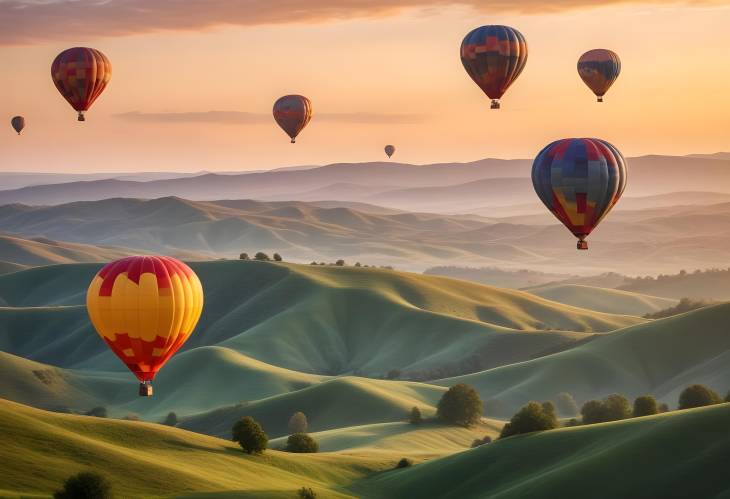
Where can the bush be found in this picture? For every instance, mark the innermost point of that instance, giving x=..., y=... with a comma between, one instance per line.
x=99, y=412
x=358, y=264
x=306, y=493
x=243, y=256
x=340, y=263
x=301, y=443
x=612, y=408
x=250, y=436
x=277, y=257
x=85, y=485
x=566, y=404
x=460, y=405
x=645, y=406
x=532, y=417
x=170, y=419
x=415, y=416
x=404, y=463
x=261, y=257
x=663, y=408
x=698, y=396
x=481, y=441
x=298, y=423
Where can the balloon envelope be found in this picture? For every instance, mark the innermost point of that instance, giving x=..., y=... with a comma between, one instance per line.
x=599, y=69
x=389, y=150
x=18, y=123
x=145, y=308
x=579, y=180
x=81, y=74
x=292, y=113
x=494, y=56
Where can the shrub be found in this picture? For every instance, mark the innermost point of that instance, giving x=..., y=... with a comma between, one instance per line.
x=85, y=485
x=415, y=416
x=566, y=404
x=243, y=256
x=298, y=423
x=170, y=419
x=250, y=436
x=663, y=408
x=277, y=257
x=340, y=263
x=481, y=441
x=611, y=408
x=358, y=264
x=645, y=406
x=532, y=417
x=460, y=405
x=261, y=257
x=306, y=493
x=301, y=443
x=99, y=412
x=698, y=396
x=404, y=463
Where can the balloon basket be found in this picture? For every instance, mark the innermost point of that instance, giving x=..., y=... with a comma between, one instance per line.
x=600, y=99
x=582, y=245
x=82, y=117
x=145, y=389
x=496, y=104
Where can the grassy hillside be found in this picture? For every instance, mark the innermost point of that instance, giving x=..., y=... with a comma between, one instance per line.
x=681, y=454
x=604, y=300
x=38, y=450
x=16, y=252
x=707, y=285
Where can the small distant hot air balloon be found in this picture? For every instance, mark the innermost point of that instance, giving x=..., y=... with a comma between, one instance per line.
x=145, y=308
x=389, y=150
x=292, y=113
x=494, y=56
x=81, y=74
x=579, y=180
x=599, y=69
x=18, y=123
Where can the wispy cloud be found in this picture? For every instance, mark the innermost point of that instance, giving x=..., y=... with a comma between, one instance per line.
x=245, y=118
x=33, y=21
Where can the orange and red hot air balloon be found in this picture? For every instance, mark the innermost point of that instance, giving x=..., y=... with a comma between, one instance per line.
x=145, y=308
x=599, y=69
x=292, y=113
x=81, y=74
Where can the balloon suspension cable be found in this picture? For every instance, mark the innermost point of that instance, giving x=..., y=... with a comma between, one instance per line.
x=496, y=104
x=145, y=389
x=81, y=116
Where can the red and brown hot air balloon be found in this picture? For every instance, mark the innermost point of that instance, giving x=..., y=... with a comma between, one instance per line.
x=145, y=308
x=389, y=150
x=81, y=74
x=599, y=69
x=18, y=123
x=494, y=56
x=292, y=113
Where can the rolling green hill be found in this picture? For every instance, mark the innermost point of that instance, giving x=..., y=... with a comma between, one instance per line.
x=17, y=253
x=674, y=455
x=611, y=301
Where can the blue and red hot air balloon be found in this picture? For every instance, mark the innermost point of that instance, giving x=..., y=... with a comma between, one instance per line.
x=579, y=180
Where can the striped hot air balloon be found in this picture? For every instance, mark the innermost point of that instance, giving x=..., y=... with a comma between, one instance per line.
x=81, y=74
x=145, y=308
x=599, y=69
x=579, y=180
x=494, y=56
x=292, y=113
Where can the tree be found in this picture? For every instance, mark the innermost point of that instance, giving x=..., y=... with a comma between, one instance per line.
x=306, y=493
x=566, y=404
x=532, y=417
x=301, y=443
x=277, y=257
x=645, y=406
x=85, y=485
x=340, y=263
x=298, y=423
x=404, y=463
x=250, y=436
x=415, y=416
x=549, y=409
x=481, y=441
x=243, y=256
x=698, y=396
x=612, y=408
x=358, y=264
x=261, y=257
x=663, y=408
x=171, y=419
x=99, y=412
x=460, y=405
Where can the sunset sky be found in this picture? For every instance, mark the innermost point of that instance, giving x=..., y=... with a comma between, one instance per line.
x=377, y=72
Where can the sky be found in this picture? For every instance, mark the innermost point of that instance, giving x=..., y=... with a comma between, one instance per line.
x=194, y=81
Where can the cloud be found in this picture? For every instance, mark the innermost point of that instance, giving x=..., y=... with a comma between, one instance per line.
x=34, y=21
x=245, y=118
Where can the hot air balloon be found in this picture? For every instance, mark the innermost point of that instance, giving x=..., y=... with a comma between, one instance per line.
x=599, y=68
x=18, y=123
x=389, y=150
x=579, y=180
x=145, y=308
x=81, y=74
x=494, y=56
x=292, y=113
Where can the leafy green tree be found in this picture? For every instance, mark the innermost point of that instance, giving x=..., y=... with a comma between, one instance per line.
x=358, y=264
x=85, y=485
x=298, y=423
x=306, y=493
x=243, y=256
x=532, y=417
x=250, y=436
x=592, y=412
x=549, y=409
x=99, y=412
x=698, y=396
x=340, y=263
x=261, y=257
x=170, y=419
x=460, y=405
x=277, y=257
x=301, y=443
x=415, y=416
x=566, y=404
x=645, y=406
x=617, y=407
